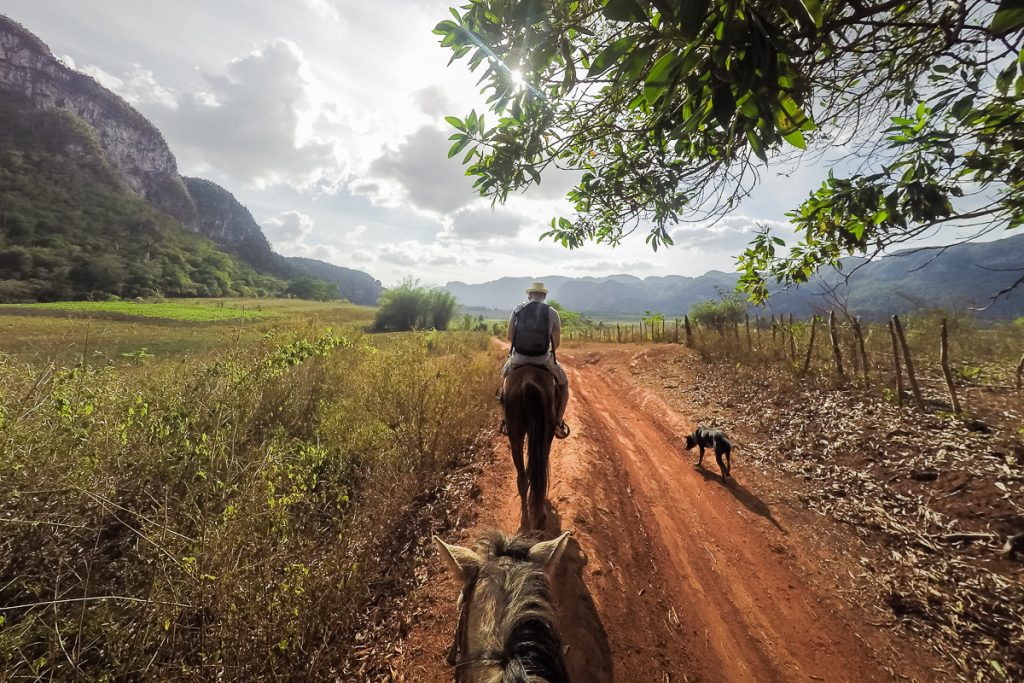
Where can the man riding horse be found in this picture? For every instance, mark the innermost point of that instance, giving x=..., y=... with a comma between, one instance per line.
x=535, y=331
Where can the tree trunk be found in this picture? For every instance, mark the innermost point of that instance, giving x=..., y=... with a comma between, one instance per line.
x=909, y=362
x=944, y=362
x=833, y=334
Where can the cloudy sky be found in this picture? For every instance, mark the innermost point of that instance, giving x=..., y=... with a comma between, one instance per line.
x=326, y=119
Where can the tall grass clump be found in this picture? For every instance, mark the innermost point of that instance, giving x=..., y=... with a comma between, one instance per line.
x=230, y=517
x=411, y=307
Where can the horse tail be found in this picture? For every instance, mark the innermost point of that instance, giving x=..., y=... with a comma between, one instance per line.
x=540, y=432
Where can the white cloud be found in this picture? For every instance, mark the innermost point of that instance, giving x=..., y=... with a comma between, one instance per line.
x=485, y=223
x=288, y=227
x=247, y=122
x=419, y=171
x=730, y=233
x=325, y=9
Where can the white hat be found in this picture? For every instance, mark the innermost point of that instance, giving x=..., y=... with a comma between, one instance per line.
x=537, y=286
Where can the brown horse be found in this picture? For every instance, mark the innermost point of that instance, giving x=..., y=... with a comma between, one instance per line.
x=530, y=402
x=507, y=627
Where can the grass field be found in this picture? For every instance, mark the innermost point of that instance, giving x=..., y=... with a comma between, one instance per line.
x=226, y=504
x=98, y=332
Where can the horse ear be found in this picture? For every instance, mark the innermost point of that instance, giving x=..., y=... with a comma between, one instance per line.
x=548, y=553
x=461, y=562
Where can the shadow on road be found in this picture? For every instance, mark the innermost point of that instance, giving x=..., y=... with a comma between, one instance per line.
x=743, y=495
x=588, y=653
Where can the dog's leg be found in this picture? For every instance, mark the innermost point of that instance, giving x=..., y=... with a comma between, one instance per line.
x=700, y=460
x=722, y=467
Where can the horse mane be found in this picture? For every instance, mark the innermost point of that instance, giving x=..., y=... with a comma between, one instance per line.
x=530, y=647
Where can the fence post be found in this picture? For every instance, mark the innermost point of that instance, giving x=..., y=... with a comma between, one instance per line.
x=833, y=334
x=792, y=339
x=858, y=333
x=944, y=362
x=810, y=344
x=750, y=344
x=896, y=360
x=1020, y=370
x=676, y=337
x=757, y=329
x=689, y=341
x=909, y=363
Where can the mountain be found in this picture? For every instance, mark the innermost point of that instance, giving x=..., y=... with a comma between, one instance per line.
x=91, y=202
x=225, y=220
x=962, y=277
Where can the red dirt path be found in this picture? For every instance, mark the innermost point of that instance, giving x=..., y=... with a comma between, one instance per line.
x=673, y=576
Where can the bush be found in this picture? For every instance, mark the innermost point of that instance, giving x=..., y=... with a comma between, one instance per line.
x=730, y=309
x=411, y=307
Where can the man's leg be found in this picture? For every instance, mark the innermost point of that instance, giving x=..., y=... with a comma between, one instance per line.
x=562, y=385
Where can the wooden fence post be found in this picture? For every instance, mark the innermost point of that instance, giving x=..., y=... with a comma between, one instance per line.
x=858, y=333
x=896, y=360
x=757, y=329
x=750, y=343
x=833, y=334
x=909, y=362
x=689, y=339
x=944, y=362
x=736, y=329
x=792, y=339
x=810, y=344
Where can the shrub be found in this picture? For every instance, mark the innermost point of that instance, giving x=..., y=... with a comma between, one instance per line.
x=411, y=307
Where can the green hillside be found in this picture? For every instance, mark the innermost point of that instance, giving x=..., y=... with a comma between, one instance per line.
x=70, y=230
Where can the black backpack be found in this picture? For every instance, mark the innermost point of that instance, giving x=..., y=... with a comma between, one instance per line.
x=533, y=329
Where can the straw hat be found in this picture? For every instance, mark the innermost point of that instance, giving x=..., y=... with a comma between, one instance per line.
x=536, y=287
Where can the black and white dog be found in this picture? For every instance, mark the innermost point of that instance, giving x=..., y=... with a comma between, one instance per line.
x=712, y=438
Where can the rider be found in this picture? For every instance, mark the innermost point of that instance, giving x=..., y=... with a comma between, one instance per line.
x=535, y=331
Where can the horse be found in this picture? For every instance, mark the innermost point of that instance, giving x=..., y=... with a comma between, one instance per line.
x=507, y=630
x=530, y=402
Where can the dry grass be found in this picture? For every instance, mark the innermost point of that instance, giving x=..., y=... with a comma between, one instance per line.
x=227, y=515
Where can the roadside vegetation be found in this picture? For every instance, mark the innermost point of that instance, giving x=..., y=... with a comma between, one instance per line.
x=231, y=514
x=412, y=307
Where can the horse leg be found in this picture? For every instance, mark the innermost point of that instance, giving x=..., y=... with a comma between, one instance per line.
x=522, y=483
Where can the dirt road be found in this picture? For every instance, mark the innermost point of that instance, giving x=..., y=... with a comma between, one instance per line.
x=673, y=576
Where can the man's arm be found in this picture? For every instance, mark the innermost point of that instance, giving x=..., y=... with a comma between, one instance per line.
x=556, y=330
x=511, y=328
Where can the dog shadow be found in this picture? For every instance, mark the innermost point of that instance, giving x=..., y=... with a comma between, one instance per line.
x=747, y=498
x=584, y=639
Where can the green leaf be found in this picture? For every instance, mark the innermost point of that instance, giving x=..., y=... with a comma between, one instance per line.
x=1008, y=18
x=756, y=146
x=456, y=122
x=796, y=138
x=610, y=55
x=814, y=11
x=962, y=107
x=459, y=146
x=624, y=10
x=660, y=77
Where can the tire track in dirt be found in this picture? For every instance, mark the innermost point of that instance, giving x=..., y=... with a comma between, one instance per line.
x=673, y=576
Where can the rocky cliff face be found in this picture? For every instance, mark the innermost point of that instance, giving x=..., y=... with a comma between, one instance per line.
x=135, y=148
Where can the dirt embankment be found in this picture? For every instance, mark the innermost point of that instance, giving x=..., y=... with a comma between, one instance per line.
x=673, y=575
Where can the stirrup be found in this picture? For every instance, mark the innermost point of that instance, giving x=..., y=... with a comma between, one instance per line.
x=562, y=430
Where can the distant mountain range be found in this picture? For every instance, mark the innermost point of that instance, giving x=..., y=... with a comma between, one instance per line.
x=91, y=202
x=962, y=277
